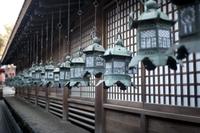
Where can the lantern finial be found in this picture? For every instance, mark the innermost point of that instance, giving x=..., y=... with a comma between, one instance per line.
x=151, y=5
x=119, y=40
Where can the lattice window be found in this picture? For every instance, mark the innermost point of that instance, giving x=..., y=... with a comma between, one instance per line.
x=162, y=86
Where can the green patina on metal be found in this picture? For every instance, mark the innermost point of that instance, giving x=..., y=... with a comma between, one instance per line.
x=65, y=71
x=153, y=38
x=117, y=60
x=94, y=63
x=77, y=65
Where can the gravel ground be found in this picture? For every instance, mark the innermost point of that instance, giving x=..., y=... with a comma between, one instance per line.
x=41, y=121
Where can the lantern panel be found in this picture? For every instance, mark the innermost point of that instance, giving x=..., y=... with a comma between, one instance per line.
x=108, y=68
x=72, y=72
x=62, y=74
x=119, y=67
x=50, y=75
x=67, y=75
x=78, y=71
x=164, y=38
x=148, y=39
x=46, y=73
x=89, y=61
x=37, y=75
x=99, y=62
x=43, y=76
x=56, y=77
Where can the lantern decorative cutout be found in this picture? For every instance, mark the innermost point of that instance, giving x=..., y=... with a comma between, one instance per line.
x=42, y=75
x=33, y=74
x=189, y=31
x=56, y=74
x=94, y=63
x=65, y=71
x=116, y=65
x=27, y=78
x=49, y=68
x=77, y=65
x=154, y=38
x=38, y=76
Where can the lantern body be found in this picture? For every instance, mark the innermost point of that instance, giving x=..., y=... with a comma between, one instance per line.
x=116, y=66
x=76, y=72
x=153, y=38
x=49, y=74
x=64, y=73
x=33, y=73
x=189, y=19
x=56, y=74
x=94, y=63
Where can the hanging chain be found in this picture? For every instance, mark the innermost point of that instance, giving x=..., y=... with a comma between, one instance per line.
x=95, y=16
x=59, y=33
x=37, y=47
x=42, y=34
x=80, y=18
x=52, y=26
x=68, y=24
x=118, y=19
x=47, y=38
x=33, y=49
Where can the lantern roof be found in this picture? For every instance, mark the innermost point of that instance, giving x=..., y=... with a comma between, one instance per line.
x=49, y=66
x=151, y=13
x=38, y=68
x=118, y=50
x=78, y=58
x=66, y=64
x=56, y=70
x=95, y=46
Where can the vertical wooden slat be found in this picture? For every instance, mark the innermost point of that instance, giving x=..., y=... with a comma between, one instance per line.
x=36, y=95
x=65, y=102
x=47, y=98
x=99, y=110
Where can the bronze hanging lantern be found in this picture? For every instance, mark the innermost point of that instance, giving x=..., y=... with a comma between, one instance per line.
x=154, y=38
x=189, y=31
x=33, y=74
x=94, y=63
x=65, y=71
x=116, y=65
x=56, y=74
x=49, y=68
x=77, y=66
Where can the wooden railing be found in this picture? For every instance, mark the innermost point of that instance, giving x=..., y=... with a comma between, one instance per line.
x=100, y=114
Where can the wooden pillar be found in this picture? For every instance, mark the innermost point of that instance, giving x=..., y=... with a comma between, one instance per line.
x=143, y=123
x=66, y=93
x=47, y=98
x=23, y=92
x=28, y=93
x=36, y=95
x=99, y=110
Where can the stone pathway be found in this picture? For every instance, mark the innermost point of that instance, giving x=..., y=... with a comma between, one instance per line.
x=39, y=120
x=7, y=122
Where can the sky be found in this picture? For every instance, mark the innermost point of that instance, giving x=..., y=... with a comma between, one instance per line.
x=9, y=11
